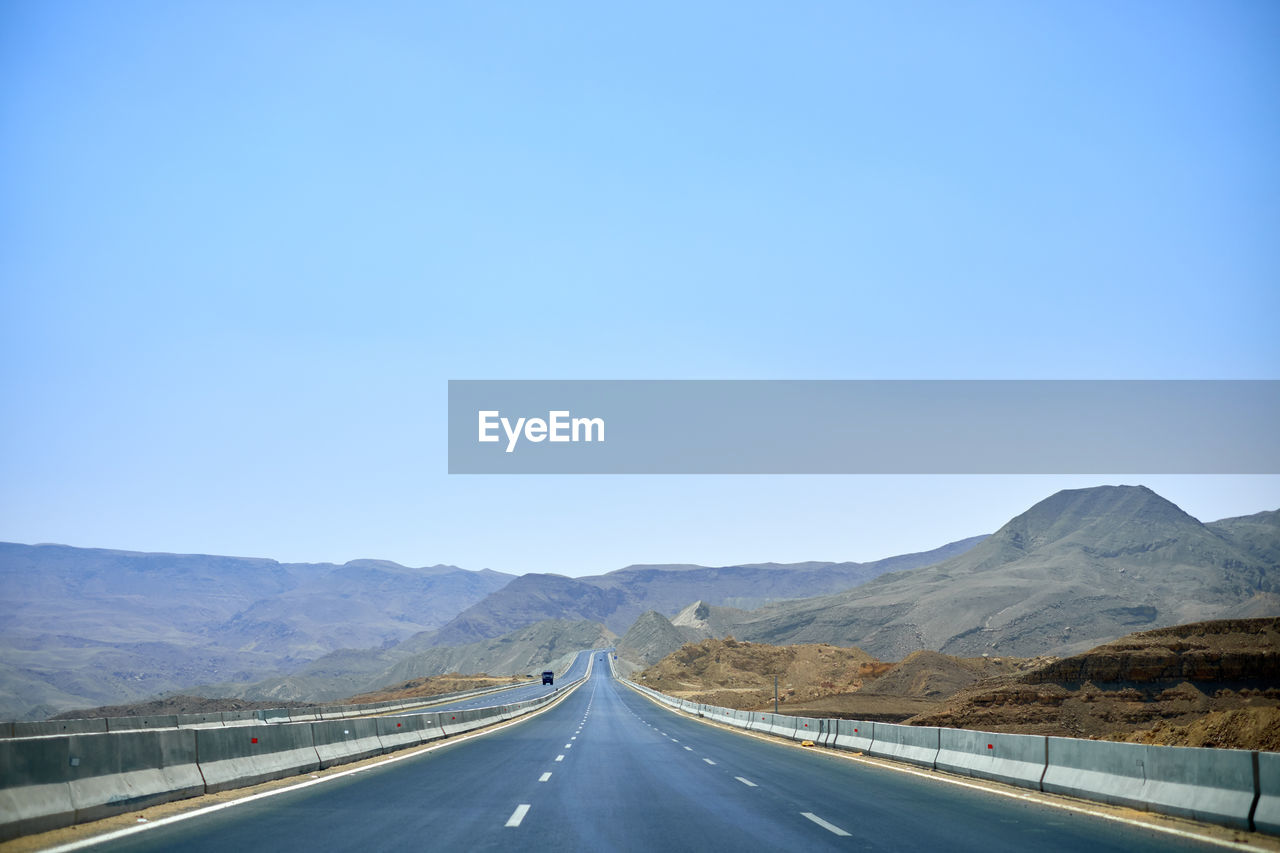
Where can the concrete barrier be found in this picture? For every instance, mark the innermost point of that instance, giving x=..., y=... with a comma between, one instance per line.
x=213, y=719
x=114, y=773
x=303, y=716
x=236, y=718
x=432, y=729
x=275, y=715
x=853, y=735
x=807, y=728
x=36, y=796
x=60, y=780
x=911, y=744
x=1266, y=816
x=1214, y=785
x=400, y=732
x=131, y=724
x=59, y=727
x=235, y=756
x=778, y=724
x=1013, y=759
x=343, y=741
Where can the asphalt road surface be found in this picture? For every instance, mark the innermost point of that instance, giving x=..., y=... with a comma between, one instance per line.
x=606, y=769
x=515, y=694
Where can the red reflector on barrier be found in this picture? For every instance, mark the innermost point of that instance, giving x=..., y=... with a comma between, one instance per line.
x=991, y=746
x=255, y=740
x=398, y=725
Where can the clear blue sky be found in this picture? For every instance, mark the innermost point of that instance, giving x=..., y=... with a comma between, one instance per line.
x=243, y=246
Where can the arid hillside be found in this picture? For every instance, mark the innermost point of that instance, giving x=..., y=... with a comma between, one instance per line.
x=736, y=674
x=1202, y=684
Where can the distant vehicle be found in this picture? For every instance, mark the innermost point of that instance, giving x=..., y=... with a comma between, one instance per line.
x=548, y=677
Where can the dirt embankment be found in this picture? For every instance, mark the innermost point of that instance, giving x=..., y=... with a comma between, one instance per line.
x=435, y=685
x=736, y=674
x=176, y=705
x=1202, y=684
x=418, y=688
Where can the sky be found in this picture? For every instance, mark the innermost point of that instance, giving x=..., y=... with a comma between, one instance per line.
x=244, y=246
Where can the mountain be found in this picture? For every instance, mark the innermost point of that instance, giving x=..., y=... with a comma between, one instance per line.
x=1077, y=569
x=85, y=626
x=618, y=598
x=550, y=644
x=650, y=639
x=527, y=599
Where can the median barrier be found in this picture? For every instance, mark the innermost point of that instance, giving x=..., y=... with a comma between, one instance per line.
x=303, y=716
x=1014, y=759
x=1266, y=816
x=236, y=718
x=400, y=732
x=452, y=723
x=59, y=727
x=114, y=773
x=1214, y=785
x=432, y=727
x=214, y=719
x=342, y=741
x=36, y=796
x=245, y=755
x=853, y=735
x=275, y=715
x=131, y=724
x=912, y=744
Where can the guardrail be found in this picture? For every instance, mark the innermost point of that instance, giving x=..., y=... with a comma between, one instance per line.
x=70, y=777
x=1233, y=787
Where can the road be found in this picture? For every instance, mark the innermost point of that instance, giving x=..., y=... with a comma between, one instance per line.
x=606, y=769
x=514, y=694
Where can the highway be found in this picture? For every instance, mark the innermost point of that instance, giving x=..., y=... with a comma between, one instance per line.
x=606, y=769
x=513, y=694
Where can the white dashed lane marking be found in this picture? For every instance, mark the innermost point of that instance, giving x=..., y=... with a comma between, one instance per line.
x=688, y=749
x=545, y=776
x=746, y=782
x=829, y=827
x=709, y=761
x=518, y=814
x=559, y=758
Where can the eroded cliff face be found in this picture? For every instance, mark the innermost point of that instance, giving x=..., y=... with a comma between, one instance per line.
x=1229, y=650
x=1201, y=684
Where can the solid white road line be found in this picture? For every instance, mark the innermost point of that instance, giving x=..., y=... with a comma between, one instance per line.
x=709, y=761
x=545, y=776
x=746, y=782
x=520, y=812
x=829, y=827
x=559, y=758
